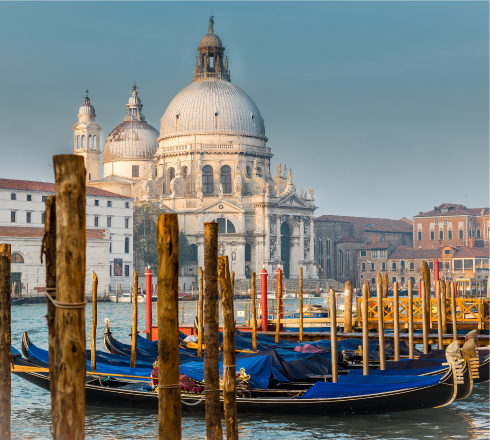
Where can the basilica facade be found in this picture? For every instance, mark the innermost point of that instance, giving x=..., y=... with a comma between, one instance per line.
x=209, y=162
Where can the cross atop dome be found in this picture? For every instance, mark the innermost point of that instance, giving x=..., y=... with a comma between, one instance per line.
x=134, y=106
x=211, y=64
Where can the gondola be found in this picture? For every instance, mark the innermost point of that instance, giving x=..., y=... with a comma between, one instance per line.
x=322, y=398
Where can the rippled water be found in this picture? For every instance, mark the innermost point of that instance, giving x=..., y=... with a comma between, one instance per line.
x=31, y=417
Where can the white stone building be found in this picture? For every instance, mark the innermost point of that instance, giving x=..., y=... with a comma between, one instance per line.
x=109, y=233
x=211, y=162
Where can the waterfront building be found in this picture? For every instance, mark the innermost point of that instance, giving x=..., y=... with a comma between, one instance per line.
x=109, y=233
x=210, y=162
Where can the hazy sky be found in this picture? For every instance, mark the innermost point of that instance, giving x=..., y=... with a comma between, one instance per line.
x=381, y=107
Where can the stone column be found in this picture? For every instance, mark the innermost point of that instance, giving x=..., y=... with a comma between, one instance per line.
x=239, y=264
x=278, y=245
x=301, y=243
x=267, y=227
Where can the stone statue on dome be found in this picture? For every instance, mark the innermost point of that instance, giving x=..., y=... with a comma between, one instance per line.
x=211, y=23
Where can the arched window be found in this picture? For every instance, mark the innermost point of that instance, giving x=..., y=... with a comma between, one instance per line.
x=248, y=252
x=225, y=226
x=83, y=141
x=17, y=258
x=171, y=174
x=226, y=179
x=78, y=142
x=184, y=172
x=341, y=262
x=347, y=262
x=402, y=264
x=193, y=253
x=320, y=246
x=89, y=141
x=328, y=246
x=248, y=171
x=478, y=233
x=259, y=171
x=126, y=245
x=94, y=144
x=207, y=180
x=329, y=267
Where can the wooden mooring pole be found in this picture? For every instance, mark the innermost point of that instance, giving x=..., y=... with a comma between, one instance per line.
x=439, y=314
x=214, y=430
x=425, y=341
x=200, y=315
x=68, y=365
x=444, y=298
x=348, y=308
x=410, y=319
x=384, y=285
x=396, y=321
x=5, y=341
x=93, y=334
x=300, y=287
x=134, y=330
x=279, y=303
x=232, y=277
x=453, y=312
x=229, y=354
x=425, y=273
x=381, y=334
x=253, y=293
x=333, y=337
x=365, y=328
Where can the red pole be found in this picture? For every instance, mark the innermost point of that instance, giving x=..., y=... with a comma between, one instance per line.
x=436, y=276
x=420, y=290
x=279, y=298
x=455, y=288
x=263, y=297
x=148, y=275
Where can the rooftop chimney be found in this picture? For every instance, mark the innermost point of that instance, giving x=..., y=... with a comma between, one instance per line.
x=374, y=238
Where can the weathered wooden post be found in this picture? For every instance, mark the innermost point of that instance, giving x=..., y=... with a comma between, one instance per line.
x=279, y=303
x=211, y=333
x=134, y=330
x=49, y=253
x=425, y=273
x=317, y=289
x=93, y=335
x=333, y=337
x=365, y=328
x=381, y=334
x=117, y=293
x=233, y=282
x=410, y=319
x=169, y=401
x=425, y=342
x=396, y=321
x=253, y=293
x=229, y=355
x=348, y=308
x=453, y=312
x=385, y=285
x=200, y=315
x=68, y=365
x=443, y=306
x=5, y=341
x=439, y=314
x=300, y=287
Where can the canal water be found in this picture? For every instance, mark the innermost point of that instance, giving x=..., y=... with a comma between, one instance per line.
x=31, y=417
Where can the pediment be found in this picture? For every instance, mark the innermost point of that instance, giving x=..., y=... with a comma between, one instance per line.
x=292, y=200
x=221, y=207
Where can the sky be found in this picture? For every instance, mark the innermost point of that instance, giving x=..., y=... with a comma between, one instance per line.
x=381, y=107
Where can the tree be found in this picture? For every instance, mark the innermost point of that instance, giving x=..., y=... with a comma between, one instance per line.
x=145, y=217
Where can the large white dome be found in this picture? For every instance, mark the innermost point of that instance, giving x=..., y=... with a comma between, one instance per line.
x=212, y=106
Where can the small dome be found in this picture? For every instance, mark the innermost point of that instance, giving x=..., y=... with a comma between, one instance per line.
x=134, y=100
x=86, y=108
x=211, y=39
x=136, y=140
x=212, y=106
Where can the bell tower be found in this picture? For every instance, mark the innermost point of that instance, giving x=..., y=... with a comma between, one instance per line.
x=87, y=139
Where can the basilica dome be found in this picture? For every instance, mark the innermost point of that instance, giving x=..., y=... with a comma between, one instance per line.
x=134, y=139
x=211, y=39
x=212, y=106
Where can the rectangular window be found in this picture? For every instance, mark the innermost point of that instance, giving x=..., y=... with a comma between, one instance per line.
x=109, y=203
x=403, y=280
x=419, y=235
x=28, y=217
x=96, y=202
x=118, y=267
x=393, y=280
x=449, y=235
x=374, y=254
x=412, y=265
x=460, y=234
x=458, y=264
x=363, y=253
x=441, y=235
x=372, y=267
x=447, y=266
x=431, y=265
x=383, y=266
x=42, y=217
x=393, y=266
x=126, y=223
x=135, y=171
x=12, y=216
x=363, y=267
x=110, y=270
x=440, y=265
x=468, y=264
x=127, y=204
x=126, y=270
x=43, y=199
x=29, y=198
x=13, y=196
x=432, y=236
x=109, y=222
x=445, y=222
x=96, y=221
x=436, y=222
x=373, y=281
x=382, y=254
